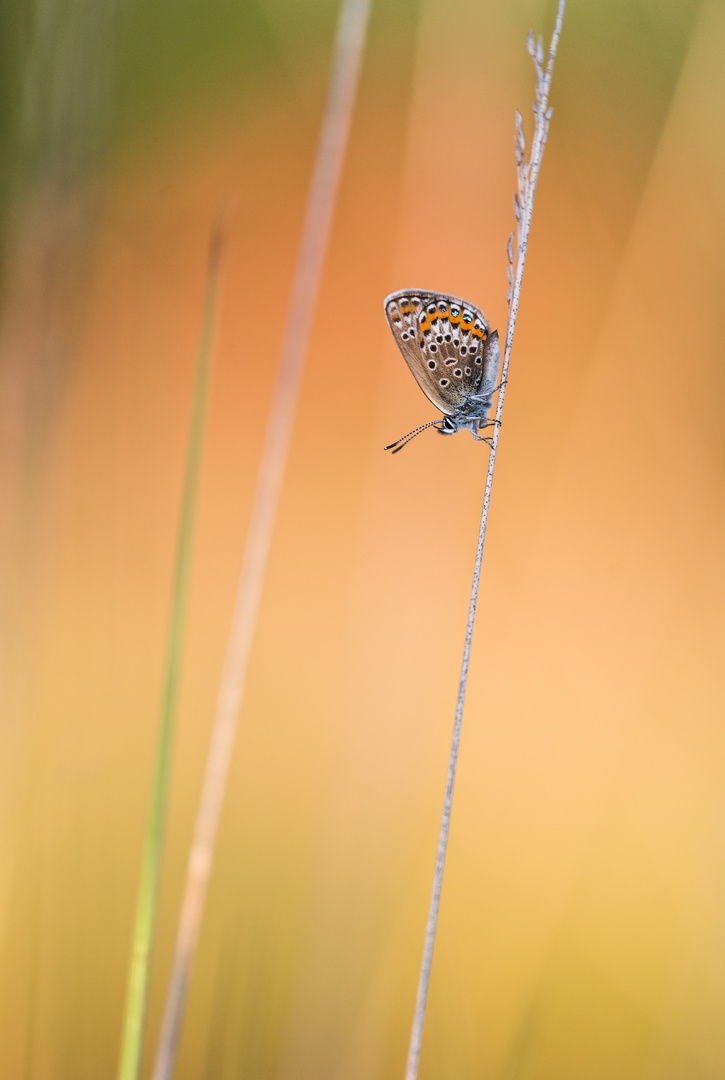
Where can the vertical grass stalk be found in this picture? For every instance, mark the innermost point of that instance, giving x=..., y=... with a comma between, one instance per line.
x=347, y=56
x=528, y=172
x=144, y=926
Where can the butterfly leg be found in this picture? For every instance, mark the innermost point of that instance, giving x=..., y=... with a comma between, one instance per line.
x=486, y=423
x=481, y=438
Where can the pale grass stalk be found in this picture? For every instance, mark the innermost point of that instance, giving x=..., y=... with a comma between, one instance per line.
x=528, y=172
x=138, y=980
x=347, y=56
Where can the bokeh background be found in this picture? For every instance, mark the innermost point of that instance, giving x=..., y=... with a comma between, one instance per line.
x=581, y=929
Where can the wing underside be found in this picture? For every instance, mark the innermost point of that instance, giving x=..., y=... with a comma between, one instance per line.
x=442, y=339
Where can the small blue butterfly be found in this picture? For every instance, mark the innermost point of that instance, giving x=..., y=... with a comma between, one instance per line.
x=448, y=345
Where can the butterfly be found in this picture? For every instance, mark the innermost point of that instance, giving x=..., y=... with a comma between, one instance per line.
x=448, y=345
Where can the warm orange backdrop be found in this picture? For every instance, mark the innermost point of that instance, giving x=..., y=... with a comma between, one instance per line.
x=581, y=929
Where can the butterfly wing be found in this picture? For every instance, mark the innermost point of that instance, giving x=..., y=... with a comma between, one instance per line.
x=442, y=339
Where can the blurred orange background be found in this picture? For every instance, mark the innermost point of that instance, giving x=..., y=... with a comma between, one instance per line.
x=581, y=928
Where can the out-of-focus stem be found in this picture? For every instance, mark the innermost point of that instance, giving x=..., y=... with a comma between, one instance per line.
x=348, y=50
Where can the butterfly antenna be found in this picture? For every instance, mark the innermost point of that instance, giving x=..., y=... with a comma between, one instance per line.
x=395, y=446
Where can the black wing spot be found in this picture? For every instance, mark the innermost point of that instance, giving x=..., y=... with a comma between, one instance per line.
x=404, y=336
x=444, y=382
x=468, y=371
x=458, y=373
x=439, y=338
x=463, y=350
x=434, y=348
x=432, y=365
x=431, y=309
x=478, y=360
x=442, y=305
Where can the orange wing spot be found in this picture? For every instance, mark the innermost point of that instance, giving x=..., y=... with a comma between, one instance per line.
x=405, y=307
x=425, y=324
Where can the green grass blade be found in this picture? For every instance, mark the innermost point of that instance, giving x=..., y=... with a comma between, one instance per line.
x=143, y=933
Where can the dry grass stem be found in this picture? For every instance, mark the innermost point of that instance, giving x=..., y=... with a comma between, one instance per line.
x=528, y=172
x=348, y=50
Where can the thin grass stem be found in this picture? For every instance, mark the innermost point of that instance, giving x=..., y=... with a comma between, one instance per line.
x=528, y=171
x=347, y=56
x=145, y=922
